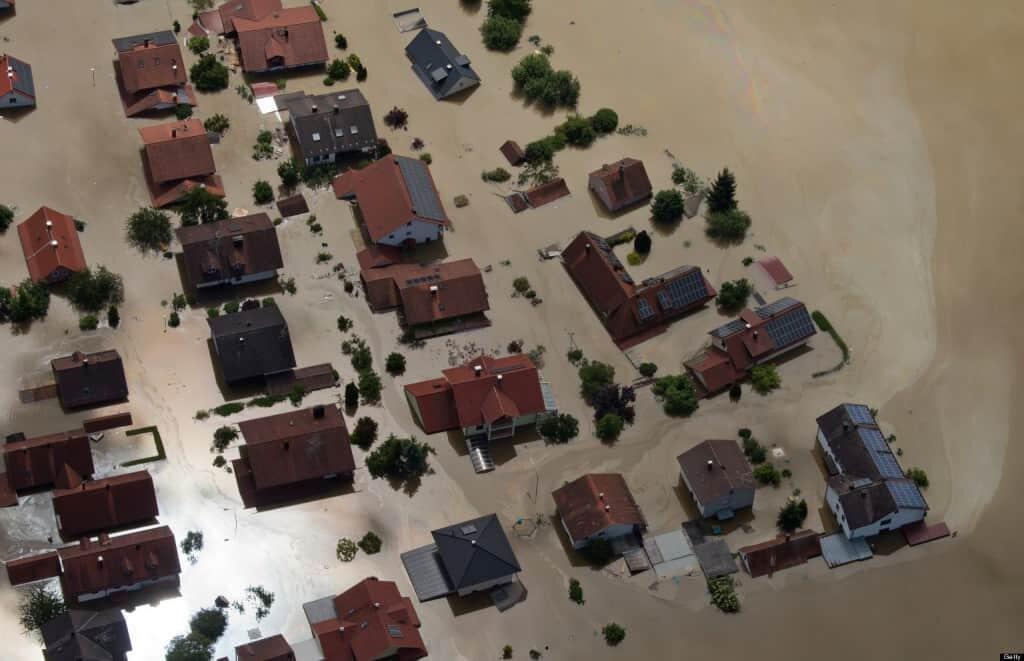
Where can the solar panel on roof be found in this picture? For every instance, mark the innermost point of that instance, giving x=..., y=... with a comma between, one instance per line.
x=789, y=328
x=860, y=414
x=421, y=190
x=873, y=439
x=683, y=291
x=886, y=464
x=394, y=631
x=906, y=494
x=644, y=309
x=766, y=311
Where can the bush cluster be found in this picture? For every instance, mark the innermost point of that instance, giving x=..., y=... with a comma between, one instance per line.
x=540, y=82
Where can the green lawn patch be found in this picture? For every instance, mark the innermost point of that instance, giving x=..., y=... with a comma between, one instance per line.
x=826, y=326
x=160, y=454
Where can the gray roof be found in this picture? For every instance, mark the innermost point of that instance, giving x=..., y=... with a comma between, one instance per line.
x=332, y=123
x=252, y=343
x=425, y=202
x=426, y=573
x=162, y=38
x=319, y=610
x=78, y=634
x=475, y=551
x=23, y=81
x=439, y=64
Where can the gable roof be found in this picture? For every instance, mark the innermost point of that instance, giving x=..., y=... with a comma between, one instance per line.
x=16, y=76
x=177, y=150
x=775, y=269
x=332, y=123
x=475, y=551
x=51, y=245
x=252, y=343
x=90, y=379
x=596, y=502
x=117, y=562
x=39, y=461
x=296, y=446
x=714, y=469
x=250, y=9
x=426, y=293
x=780, y=553
x=105, y=504
x=292, y=36
x=93, y=635
x=272, y=648
x=149, y=61
x=624, y=180
x=441, y=67
x=230, y=248
x=392, y=192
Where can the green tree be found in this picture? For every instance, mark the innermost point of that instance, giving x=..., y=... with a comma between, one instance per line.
x=539, y=151
x=201, y=206
x=262, y=193
x=532, y=67
x=609, y=427
x=113, y=316
x=93, y=291
x=562, y=89
x=521, y=284
x=594, y=376
x=290, y=173
x=605, y=120
x=578, y=131
x=223, y=437
x=210, y=623
x=354, y=62
x=723, y=594
x=217, y=123
x=767, y=474
x=728, y=226
x=6, y=217
x=560, y=428
x=182, y=111
x=149, y=229
x=919, y=477
x=209, y=75
x=501, y=33
x=199, y=45
x=38, y=607
x=497, y=174
x=89, y=322
x=722, y=196
x=395, y=364
x=764, y=379
x=369, y=386
x=338, y=69
x=351, y=395
x=613, y=634
x=598, y=551
x=365, y=432
x=642, y=242
x=677, y=394
x=193, y=647
x=30, y=301
x=517, y=10
x=370, y=543
x=792, y=515
x=647, y=369
x=340, y=41
x=732, y=296
x=399, y=459
x=575, y=591
x=667, y=206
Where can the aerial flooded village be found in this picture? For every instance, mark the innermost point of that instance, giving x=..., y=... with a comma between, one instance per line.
x=351, y=331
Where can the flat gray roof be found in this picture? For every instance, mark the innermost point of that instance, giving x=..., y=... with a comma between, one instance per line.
x=427, y=575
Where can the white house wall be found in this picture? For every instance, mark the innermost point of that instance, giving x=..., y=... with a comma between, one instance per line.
x=417, y=230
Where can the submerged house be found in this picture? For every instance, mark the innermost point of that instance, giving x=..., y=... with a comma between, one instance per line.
x=251, y=344
x=272, y=648
x=233, y=251
x=151, y=74
x=91, y=506
x=867, y=489
x=397, y=200
x=632, y=313
x=176, y=157
x=87, y=380
x=85, y=635
x=621, y=184
x=330, y=125
x=439, y=65
x=17, y=87
x=757, y=337
x=41, y=461
x=286, y=38
x=220, y=20
x=52, y=248
x=718, y=477
x=599, y=506
x=783, y=552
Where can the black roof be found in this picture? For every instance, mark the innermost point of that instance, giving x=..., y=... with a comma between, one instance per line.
x=332, y=123
x=475, y=551
x=252, y=343
x=88, y=380
x=162, y=38
x=441, y=67
x=89, y=635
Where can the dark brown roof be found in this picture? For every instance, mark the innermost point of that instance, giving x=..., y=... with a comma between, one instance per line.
x=547, y=193
x=252, y=343
x=513, y=152
x=90, y=379
x=714, y=469
x=230, y=248
x=118, y=562
x=625, y=182
x=51, y=245
x=780, y=553
x=274, y=648
x=291, y=37
x=426, y=293
x=105, y=504
x=292, y=206
x=81, y=635
x=297, y=446
x=863, y=505
x=150, y=61
x=39, y=461
x=32, y=568
x=596, y=502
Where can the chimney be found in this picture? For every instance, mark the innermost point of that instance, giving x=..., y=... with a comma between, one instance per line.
x=174, y=133
x=747, y=326
x=49, y=224
x=499, y=378
x=318, y=411
x=241, y=340
x=477, y=370
x=586, y=246
x=99, y=560
x=337, y=110
x=846, y=426
x=601, y=495
x=376, y=604
x=607, y=508
x=286, y=446
x=314, y=108
x=433, y=290
x=711, y=464
x=755, y=335
x=54, y=243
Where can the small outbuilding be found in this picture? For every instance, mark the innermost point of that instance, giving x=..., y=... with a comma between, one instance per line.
x=513, y=153
x=621, y=184
x=783, y=552
x=51, y=245
x=718, y=478
x=775, y=271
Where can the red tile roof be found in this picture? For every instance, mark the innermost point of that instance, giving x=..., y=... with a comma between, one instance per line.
x=506, y=387
x=714, y=469
x=596, y=502
x=38, y=461
x=274, y=648
x=291, y=37
x=118, y=562
x=148, y=66
x=373, y=621
x=620, y=303
x=547, y=193
x=248, y=9
x=105, y=504
x=625, y=182
x=51, y=245
x=384, y=197
x=776, y=270
x=783, y=552
x=177, y=150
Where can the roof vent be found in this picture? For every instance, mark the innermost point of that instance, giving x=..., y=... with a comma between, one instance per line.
x=49, y=223
x=376, y=604
x=438, y=42
x=747, y=326
x=433, y=289
x=477, y=369
x=711, y=464
x=500, y=378
x=54, y=243
x=473, y=542
x=607, y=508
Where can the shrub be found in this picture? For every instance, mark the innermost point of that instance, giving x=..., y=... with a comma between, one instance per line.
x=288, y=285
x=744, y=433
x=351, y=395
x=230, y=408
x=597, y=551
x=209, y=623
x=395, y=364
x=728, y=226
x=231, y=307
x=732, y=296
x=212, y=312
x=521, y=285
x=609, y=427
x=500, y=33
x=792, y=515
x=289, y=173
x=179, y=302
x=264, y=147
x=539, y=151
x=173, y=320
x=94, y=290
x=322, y=257
x=6, y=217
x=786, y=473
x=560, y=428
x=370, y=543
x=319, y=11
x=338, y=70
x=201, y=206
x=667, y=206
x=605, y=120
x=723, y=594
x=517, y=10
x=217, y=123
x=193, y=647
x=88, y=322
x=199, y=45
x=340, y=41
x=767, y=474
x=209, y=75
x=176, y=26
x=575, y=356
x=344, y=324
x=647, y=369
x=362, y=358
x=426, y=158
x=677, y=395
x=399, y=459
x=396, y=118
x=361, y=74
x=365, y=432
x=764, y=379
x=182, y=111
x=575, y=591
x=113, y=317
x=149, y=229
x=688, y=179
x=613, y=634
x=578, y=131
x=38, y=607
x=346, y=550
x=296, y=395
x=265, y=401
x=722, y=196
x=369, y=386
x=634, y=259
x=268, y=302
x=642, y=242
x=354, y=62
x=223, y=437
x=497, y=174
x=594, y=376
x=30, y=301
x=506, y=652
x=919, y=477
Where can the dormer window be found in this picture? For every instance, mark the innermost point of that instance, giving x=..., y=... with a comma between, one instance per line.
x=353, y=129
